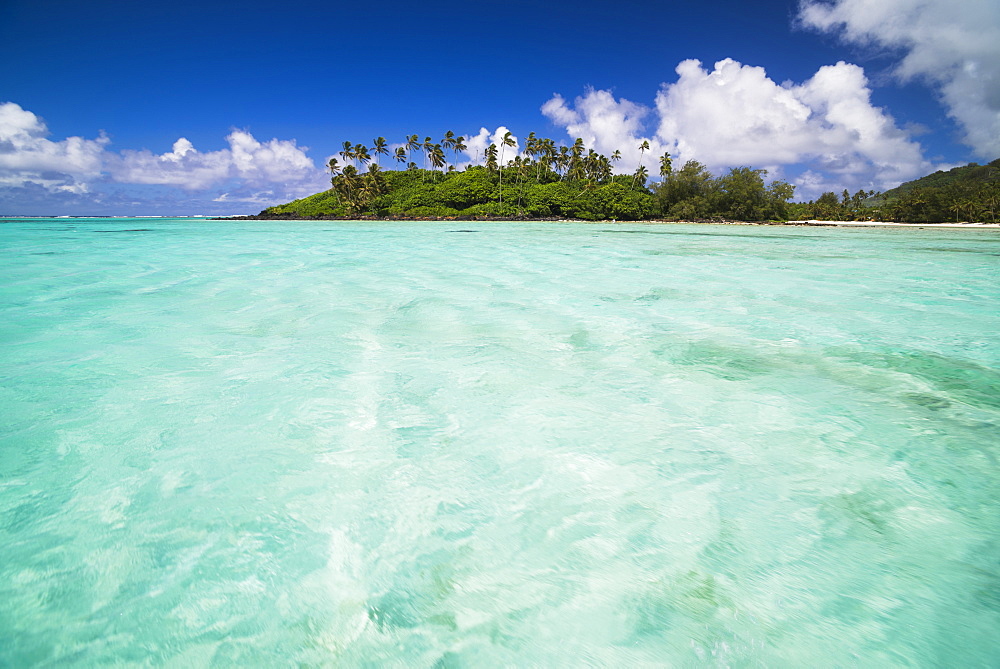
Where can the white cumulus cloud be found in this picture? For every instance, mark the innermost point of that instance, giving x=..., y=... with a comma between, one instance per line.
x=953, y=46
x=606, y=125
x=476, y=145
x=736, y=115
x=27, y=156
x=246, y=159
x=32, y=164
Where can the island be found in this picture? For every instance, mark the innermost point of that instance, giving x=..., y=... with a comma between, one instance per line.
x=547, y=181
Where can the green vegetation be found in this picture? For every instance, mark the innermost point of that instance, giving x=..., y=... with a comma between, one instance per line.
x=545, y=181
x=552, y=181
x=828, y=207
x=693, y=193
x=970, y=193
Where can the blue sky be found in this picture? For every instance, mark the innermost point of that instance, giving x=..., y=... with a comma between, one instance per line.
x=210, y=107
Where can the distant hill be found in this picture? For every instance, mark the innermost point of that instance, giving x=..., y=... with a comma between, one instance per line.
x=972, y=175
x=970, y=193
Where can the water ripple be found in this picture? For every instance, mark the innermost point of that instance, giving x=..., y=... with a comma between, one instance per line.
x=254, y=444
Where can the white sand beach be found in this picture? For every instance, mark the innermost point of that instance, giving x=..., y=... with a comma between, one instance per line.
x=897, y=225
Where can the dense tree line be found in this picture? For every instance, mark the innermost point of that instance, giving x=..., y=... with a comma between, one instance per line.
x=970, y=193
x=692, y=193
x=545, y=180
x=829, y=207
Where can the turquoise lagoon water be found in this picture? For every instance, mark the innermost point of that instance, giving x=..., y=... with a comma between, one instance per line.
x=467, y=444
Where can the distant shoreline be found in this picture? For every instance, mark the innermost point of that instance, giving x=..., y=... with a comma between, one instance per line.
x=802, y=223
x=891, y=224
x=551, y=219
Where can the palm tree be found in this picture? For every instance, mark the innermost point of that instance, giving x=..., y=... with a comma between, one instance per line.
x=957, y=206
x=530, y=146
x=334, y=167
x=577, y=164
x=491, y=157
x=591, y=165
x=334, y=172
x=641, y=174
x=616, y=156
x=459, y=146
x=376, y=180
x=575, y=159
x=437, y=157
x=361, y=152
x=346, y=185
x=547, y=156
x=562, y=160
x=508, y=140
x=642, y=148
x=448, y=141
x=400, y=154
x=379, y=147
x=666, y=167
x=974, y=210
x=990, y=196
x=412, y=144
x=522, y=167
x=426, y=147
x=347, y=153
x=603, y=167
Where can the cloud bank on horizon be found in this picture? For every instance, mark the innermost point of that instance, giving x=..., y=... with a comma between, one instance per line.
x=823, y=133
x=31, y=165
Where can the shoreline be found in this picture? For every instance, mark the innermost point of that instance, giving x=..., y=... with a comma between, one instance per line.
x=799, y=223
x=892, y=224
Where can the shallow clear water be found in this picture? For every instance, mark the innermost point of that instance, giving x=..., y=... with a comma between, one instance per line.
x=466, y=444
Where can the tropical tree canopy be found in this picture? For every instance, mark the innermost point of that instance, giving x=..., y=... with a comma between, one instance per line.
x=544, y=180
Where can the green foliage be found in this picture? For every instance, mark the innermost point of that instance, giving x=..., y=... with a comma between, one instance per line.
x=970, y=193
x=464, y=189
x=691, y=209
x=692, y=193
x=432, y=212
x=544, y=180
x=528, y=192
x=741, y=194
x=617, y=201
x=320, y=204
x=778, y=195
x=970, y=174
x=551, y=199
x=685, y=193
x=490, y=210
x=828, y=207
